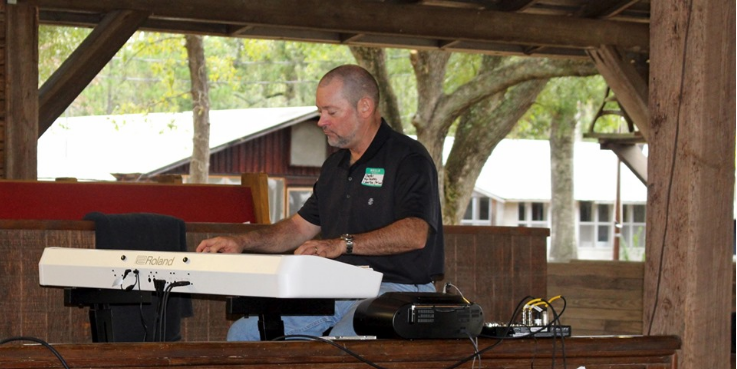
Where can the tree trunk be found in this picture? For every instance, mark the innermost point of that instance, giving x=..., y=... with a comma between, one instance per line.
x=199, y=165
x=429, y=67
x=374, y=60
x=563, y=244
x=480, y=129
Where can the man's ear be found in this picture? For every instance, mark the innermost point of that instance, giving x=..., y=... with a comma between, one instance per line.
x=366, y=107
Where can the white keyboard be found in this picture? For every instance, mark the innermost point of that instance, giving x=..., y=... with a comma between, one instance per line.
x=281, y=276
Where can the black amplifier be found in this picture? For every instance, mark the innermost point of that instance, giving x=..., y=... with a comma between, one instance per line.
x=415, y=315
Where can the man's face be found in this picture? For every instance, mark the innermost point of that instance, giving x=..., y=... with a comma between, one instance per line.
x=338, y=117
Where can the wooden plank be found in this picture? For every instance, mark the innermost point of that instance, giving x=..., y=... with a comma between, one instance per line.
x=615, y=303
x=604, y=314
x=601, y=282
x=63, y=323
x=21, y=80
x=33, y=315
x=486, y=264
x=594, y=353
x=597, y=327
x=84, y=63
x=613, y=269
x=690, y=235
x=466, y=272
x=594, y=292
x=606, y=9
x=11, y=287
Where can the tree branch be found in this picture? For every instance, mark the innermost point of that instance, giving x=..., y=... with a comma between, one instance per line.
x=374, y=60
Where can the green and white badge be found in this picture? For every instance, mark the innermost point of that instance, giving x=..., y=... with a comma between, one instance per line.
x=374, y=177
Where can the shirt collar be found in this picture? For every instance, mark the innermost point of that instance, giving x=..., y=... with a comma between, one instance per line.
x=381, y=136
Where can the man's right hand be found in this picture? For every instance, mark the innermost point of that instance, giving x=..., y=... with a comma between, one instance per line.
x=225, y=244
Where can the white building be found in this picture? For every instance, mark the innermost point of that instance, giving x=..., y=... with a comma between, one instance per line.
x=513, y=189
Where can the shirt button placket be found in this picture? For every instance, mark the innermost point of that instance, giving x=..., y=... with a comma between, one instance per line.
x=347, y=198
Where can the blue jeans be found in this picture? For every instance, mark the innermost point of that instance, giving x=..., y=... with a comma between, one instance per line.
x=246, y=329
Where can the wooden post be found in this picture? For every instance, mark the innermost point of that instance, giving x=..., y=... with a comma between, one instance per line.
x=259, y=184
x=691, y=178
x=20, y=91
x=617, y=213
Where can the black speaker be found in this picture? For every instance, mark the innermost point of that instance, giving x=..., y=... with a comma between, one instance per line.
x=416, y=315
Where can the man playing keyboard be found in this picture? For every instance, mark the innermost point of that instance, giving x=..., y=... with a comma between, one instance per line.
x=376, y=203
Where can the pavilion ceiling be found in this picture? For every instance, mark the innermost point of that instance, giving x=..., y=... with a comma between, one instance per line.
x=557, y=28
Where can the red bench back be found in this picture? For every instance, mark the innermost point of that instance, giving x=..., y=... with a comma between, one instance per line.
x=72, y=200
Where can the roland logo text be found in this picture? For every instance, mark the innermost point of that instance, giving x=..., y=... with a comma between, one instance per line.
x=153, y=260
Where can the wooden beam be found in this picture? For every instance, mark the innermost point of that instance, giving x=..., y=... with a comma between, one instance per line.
x=632, y=156
x=21, y=94
x=85, y=63
x=629, y=87
x=516, y=5
x=606, y=9
x=691, y=179
x=405, y=20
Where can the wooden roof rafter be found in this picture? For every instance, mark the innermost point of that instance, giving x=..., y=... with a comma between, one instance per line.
x=77, y=71
x=516, y=27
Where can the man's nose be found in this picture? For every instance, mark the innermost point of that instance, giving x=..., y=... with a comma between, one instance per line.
x=322, y=122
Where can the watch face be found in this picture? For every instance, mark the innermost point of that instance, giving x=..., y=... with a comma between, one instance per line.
x=348, y=243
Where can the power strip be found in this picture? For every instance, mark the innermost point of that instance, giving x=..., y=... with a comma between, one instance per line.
x=490, y=330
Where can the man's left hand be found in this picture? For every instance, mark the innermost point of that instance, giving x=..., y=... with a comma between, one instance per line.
x=325, y=248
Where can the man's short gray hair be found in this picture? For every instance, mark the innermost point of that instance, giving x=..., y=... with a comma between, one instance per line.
x=357, y=83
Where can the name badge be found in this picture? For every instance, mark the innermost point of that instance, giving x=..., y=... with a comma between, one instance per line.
x=374, y=177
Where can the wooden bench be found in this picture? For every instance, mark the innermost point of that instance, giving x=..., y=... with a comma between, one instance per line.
x=70, y=200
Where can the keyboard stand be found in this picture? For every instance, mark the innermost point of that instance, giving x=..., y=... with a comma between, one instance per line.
x=99, y=301
x=270, y=311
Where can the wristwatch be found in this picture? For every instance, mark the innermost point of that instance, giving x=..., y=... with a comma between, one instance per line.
x=348, y=238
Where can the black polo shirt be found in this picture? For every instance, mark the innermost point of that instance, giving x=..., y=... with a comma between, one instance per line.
x=394, y=179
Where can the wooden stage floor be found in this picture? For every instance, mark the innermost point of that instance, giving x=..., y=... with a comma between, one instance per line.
x=654, y=352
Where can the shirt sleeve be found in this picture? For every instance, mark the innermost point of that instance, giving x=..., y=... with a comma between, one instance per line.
x=417, y=191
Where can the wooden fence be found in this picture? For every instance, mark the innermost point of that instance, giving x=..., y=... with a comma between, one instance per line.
x=604, y=297
x=492, y=266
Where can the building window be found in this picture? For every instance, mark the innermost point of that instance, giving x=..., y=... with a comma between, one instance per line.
x=478, y=211
x=296, y=197
x=532, y=214
x=633, y=226
x=276, y=199
x=595, y=224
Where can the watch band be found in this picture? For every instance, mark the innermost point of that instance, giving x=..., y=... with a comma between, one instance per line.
x=348, y=239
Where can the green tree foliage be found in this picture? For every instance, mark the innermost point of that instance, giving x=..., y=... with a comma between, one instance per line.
x=150, y=73
x=55, y=44
x=568, y=96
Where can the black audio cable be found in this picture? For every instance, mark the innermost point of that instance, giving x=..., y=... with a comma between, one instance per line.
x=37, y=340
